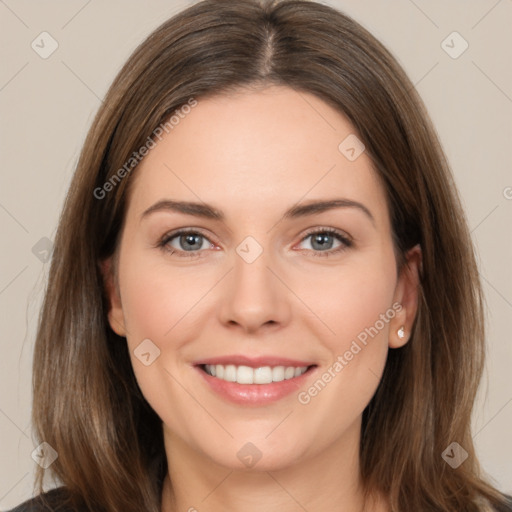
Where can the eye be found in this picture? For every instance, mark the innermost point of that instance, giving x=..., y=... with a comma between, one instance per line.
x=188, y=242
x=323, y=240
x=185, y=241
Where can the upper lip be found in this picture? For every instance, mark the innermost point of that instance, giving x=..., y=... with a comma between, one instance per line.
x=254, y=362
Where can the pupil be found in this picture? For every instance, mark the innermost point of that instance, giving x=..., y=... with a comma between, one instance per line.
x=190, y=239
x=321, y=239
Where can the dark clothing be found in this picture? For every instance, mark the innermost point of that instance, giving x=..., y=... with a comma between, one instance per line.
x=54, y=502
x=51, y=501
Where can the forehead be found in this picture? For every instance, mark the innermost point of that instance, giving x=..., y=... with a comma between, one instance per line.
x=257, y=153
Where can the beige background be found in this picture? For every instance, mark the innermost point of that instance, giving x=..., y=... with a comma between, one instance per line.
x=47, y=106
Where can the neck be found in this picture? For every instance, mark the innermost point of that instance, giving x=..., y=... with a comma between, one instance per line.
x=328, y=480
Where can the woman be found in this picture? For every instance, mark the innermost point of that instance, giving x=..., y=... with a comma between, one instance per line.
x=263, y=292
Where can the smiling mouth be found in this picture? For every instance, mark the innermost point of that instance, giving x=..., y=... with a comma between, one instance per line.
x=246, y=375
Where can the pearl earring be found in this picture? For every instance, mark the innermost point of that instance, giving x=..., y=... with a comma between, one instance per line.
x=401, y=333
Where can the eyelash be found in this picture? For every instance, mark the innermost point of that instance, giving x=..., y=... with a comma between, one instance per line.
x=346, y=242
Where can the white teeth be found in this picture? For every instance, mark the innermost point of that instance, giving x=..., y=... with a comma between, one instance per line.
x=289, y=372
x=230, y=373
x=247, y=375
x=278, y=373
x=262, y=375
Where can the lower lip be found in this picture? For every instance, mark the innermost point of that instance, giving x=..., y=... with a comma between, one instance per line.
x=255, y=394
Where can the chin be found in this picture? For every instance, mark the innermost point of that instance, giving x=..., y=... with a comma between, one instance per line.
x=257, y=456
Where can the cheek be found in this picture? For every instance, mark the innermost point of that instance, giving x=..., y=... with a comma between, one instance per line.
x=156, y=298
x=356, y=303
x=351, y=298
x=158, y=305
x=162, y=303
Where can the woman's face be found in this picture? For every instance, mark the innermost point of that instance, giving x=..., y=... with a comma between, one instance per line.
x=252, y=286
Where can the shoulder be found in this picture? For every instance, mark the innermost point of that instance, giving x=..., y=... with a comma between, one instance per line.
x=508, y=505
x=55, y=500
x=508, y=508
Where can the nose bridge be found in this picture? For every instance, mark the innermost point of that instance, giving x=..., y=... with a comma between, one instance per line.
x=256, y=297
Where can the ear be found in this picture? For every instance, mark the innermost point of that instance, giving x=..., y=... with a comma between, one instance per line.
x=115, y=309
x=406, y=294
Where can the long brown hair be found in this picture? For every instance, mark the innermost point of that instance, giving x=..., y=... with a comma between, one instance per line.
x=86, y=402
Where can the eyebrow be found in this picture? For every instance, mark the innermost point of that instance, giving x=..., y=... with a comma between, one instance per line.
x=209, y=212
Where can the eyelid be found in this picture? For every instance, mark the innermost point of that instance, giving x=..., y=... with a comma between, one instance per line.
x=346, y=240
x=326, y=229
x=167, y=237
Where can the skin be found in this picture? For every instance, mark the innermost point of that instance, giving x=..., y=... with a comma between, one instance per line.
x=253, y=155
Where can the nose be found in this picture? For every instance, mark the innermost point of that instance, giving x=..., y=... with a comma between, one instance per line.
x=255, y=296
